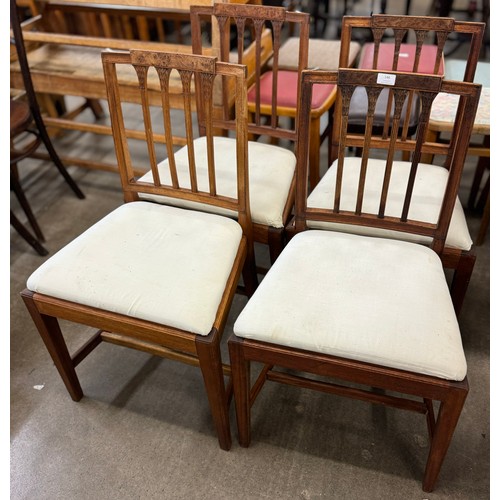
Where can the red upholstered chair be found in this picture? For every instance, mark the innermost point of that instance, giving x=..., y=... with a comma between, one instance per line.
x=274, y=91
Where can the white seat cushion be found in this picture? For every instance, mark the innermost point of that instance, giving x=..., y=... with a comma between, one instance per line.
x=369, y=299
x=148, y=261
x=425, y=206
x=270, y=172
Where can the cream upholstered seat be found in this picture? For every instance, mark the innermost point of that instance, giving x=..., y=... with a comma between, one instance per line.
x=426, y=203
x=271, y=171
x=370, y=299
x=105, y=267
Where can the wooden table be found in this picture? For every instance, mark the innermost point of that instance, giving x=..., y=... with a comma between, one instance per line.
x=67, y=64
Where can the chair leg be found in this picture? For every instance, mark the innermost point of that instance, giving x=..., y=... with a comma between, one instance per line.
x=240, y=368
x=15, y=186
x=57, y=161
x=485, y=222
x=26, y=235
x=449, y=413
x=95, y=107
x=250, y=279
x=276, y=242
x=485, y=193
x=49, y=330
x=209, y=355
x=461, y=279
x=482, y=165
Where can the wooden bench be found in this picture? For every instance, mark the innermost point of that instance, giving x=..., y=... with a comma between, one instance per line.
x=64, y=50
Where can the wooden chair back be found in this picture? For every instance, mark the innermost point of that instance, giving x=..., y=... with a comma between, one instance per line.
x=416, y=56
x=379, y=146
x=423, y=28
x=198, y=74
x=263, y=28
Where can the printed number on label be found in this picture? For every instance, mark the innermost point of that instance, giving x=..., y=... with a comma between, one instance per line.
x=386, y=79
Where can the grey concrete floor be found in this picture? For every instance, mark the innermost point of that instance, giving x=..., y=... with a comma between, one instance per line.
x=143, y=429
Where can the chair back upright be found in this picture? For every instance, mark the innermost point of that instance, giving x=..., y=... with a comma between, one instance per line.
x=381, y=148
x=198, y=74
x=260, y=31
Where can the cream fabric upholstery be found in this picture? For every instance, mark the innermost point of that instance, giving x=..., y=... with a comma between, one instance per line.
x=426, y=201
x=369, y=299
x=271, y=171
x=323, y=54
x=148, y=261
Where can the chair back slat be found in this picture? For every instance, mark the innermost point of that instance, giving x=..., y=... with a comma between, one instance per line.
x=377, y=33
x=192, y=175
x=393, y=210
x=207, y=83
x=441, y=38
x=399, y=98
x=398, y=40
x=240, y=26
x=346, y=92
x=186, y=77
x=277, y=26
x=142, y=75
x=164, y=76
x=258, y=25
x=426, y=100
x=373, y=95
